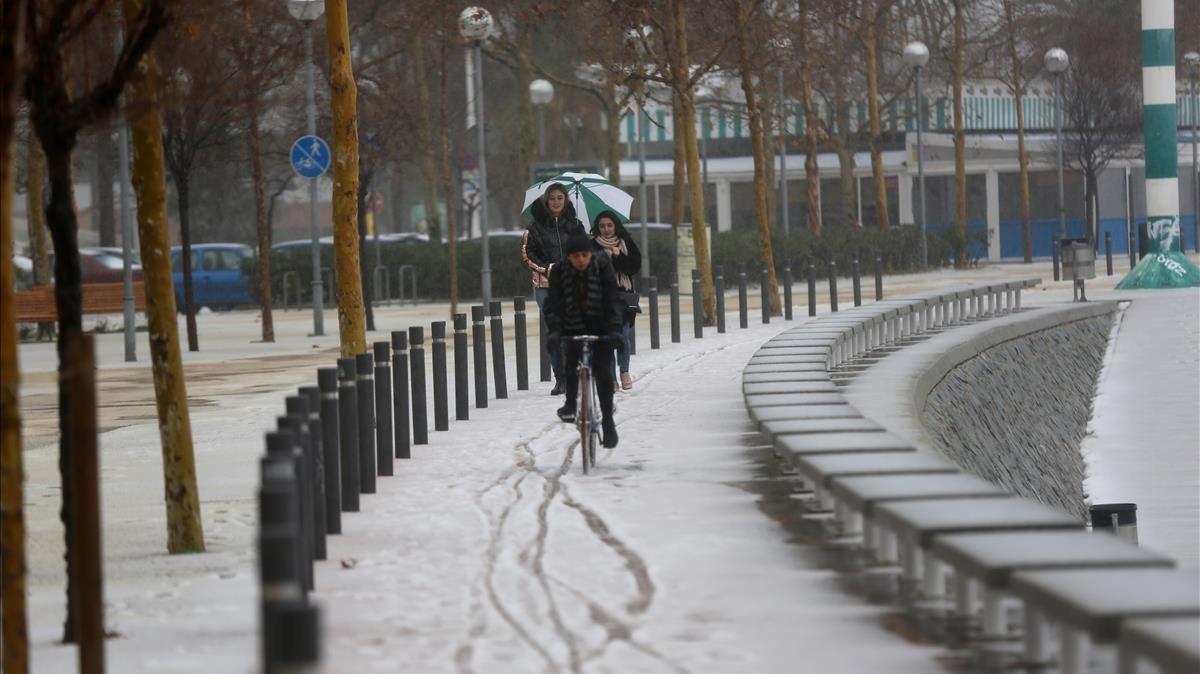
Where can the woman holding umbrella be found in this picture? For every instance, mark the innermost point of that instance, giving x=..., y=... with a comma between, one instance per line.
x=610, y=236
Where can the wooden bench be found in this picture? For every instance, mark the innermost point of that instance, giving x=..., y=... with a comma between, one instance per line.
x=36, y=305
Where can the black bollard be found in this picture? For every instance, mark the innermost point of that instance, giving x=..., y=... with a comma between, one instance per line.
x=384, y=441
x=812, y=289
x=479, y=350
x=295, y=645
x=298, y=410
x=878, y=278
x=544, y=371
x=1108, y=252
x=787, y=292
x=675, y=309
x=833, y=306
x=697, y=306
x=348, y=432
x=401, y=419
x=499, y=371
x=462, y=393
x=316, y=444
x=857, y=272
x=652, y=304
x=441, y=402
x=764, y=293
x=416, y=371
x=365, y=363
x=743, y=310
x=281, y=499
x=327, y=384
x=290, y=426
x=1054, y=253
x=719, y=291
x=521, y=340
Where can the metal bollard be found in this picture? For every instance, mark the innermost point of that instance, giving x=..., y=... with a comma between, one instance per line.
x=697, y=306
x=743, y=310
x=812, y=289
x=674, y=309
x=479, y=349
x=521, y=340
x=833, y=297
x=365, y=364
x=441, y=402
x=1054, y=257
x=416, y=371
x=296, y=644
x=348, y=432
x=499, y=371
x=462, y=393
x=1117, y=518
x=764, y=293
x=316, y=440
x=719, y=288
x=281, y=499
x=327, y=384
x=878, y=278
x=1108, y=252
x=652, y=305
x=298, y=411
x=400, y=411
x=857, y=275
x=787, y=292
x=290, y=426
x=385, y=448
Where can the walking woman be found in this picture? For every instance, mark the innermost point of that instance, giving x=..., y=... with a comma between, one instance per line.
x=610, y=236
x=544, y=245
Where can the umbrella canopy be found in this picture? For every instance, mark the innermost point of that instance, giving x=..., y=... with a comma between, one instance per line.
x=590, y=193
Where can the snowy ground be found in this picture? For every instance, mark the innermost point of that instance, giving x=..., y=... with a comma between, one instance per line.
x=489, y=551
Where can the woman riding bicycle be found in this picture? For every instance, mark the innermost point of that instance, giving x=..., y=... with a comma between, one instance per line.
x=582, y=300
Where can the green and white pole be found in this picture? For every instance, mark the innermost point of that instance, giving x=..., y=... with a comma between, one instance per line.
x=1165, y=265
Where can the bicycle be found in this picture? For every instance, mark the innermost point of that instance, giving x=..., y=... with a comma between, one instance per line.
x=586, y=401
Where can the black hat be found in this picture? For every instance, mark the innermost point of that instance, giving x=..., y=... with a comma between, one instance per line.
x=578, y=243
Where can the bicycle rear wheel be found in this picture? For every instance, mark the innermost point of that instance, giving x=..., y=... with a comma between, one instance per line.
x=583, y=417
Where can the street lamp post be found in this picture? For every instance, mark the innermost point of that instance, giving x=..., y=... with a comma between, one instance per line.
x=916, y=55
x=541, y=92
x=1056, y=62
x=475, y=25
x=1192, y=61
x=308, y=11
x=782, y=46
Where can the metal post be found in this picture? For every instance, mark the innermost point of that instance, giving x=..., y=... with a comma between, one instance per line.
x=812, y=289
x=416, y=366
x=541, y=122
x=462, y=400
x=787, y=292
x=783, y=186
x=479, y=349
x=641, y=130
x=310, y=107
x=521, y=343
x=365, y=364
x=652, y=304
x=298, y=410
x=499, y=374
x=384, y=442
x=833, y=296
x=280, y=498
x=857, y=271
x=291, y=426
x=400, y=399
x=1062, y=212
x=675, y=308
x=1108, y=253
x=327, y=384
x=764, y=293
x=697, y=307
x=485, y=273
x=316, y=445
x=743, y=309
x=441, y=403
x=297, y=637
x=878, y=278
x=1054, y=255
x=127, y=235
x=719, y=287
x=348, y=430
x=921, y=173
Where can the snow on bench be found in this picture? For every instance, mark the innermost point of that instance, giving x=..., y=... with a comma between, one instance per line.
x=1171, y=644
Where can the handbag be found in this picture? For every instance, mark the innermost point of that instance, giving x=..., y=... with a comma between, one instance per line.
x=630, y=303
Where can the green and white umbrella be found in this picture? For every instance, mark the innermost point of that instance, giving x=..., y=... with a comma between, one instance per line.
x=590, y=193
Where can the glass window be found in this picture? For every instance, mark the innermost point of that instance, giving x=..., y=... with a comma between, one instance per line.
x=230, y=260
x=212, y=260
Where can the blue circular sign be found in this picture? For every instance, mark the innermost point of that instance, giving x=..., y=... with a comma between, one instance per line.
x=310, y=157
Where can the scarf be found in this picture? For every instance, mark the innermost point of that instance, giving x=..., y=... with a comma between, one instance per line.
x=615, y=246
x=582, y=297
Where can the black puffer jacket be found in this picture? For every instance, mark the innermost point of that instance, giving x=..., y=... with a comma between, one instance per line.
x=545, y=238
x=603, y=320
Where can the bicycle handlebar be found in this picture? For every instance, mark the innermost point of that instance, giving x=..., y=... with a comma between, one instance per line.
x=583, y=338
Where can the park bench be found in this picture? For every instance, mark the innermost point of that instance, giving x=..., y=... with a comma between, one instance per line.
x=1168, y=643
x=815, y=411
x=774, y=428
x=854, y=497
x=36, y=305
x=821, y=469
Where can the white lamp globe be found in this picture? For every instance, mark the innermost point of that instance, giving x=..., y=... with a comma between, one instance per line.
x=916, y=54
x=1056, y=60
x=306, y=10
x=541, y=92
x=475, y=24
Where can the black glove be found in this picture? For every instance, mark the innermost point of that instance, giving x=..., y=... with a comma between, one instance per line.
x=552, y=344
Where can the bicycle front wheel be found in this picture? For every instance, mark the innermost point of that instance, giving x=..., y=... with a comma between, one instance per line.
x=583, y=417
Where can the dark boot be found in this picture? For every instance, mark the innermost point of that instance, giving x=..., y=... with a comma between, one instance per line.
x=609, y=434
x=567, y=412
x=558, y=387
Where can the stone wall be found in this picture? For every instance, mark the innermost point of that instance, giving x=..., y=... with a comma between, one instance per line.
x=1016, y=412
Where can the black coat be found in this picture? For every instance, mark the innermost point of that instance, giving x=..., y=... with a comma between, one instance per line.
x=630, y=263
x=605, y=322
x=546, y=237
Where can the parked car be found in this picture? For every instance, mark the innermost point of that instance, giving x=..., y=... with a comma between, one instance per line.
x=218, y=279
x=97, y=266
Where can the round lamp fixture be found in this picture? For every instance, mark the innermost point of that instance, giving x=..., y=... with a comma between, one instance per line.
x=475, y=24
x=541, y=92
x=1056, y=60
x=916, y=54
x=306, y=10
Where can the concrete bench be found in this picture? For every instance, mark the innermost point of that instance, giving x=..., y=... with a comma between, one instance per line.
x=789, y=387
x=819, y=411
x=785, y=375
x=1091, y=605
x=784, y=399
x=822, y=469
x=988, y=560
x=793, y=445
x=1171, y=644
x=817, y=357
x=855, y=496
x=763, y=368
x=777, y=427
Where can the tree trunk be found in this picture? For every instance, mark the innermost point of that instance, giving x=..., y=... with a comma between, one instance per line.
x=447, y=185
x=39, y=236
x=14, y=623
x=812, y=175
x=429, y=149
x=183, y=194
x=756, y=143
x=365, y=269
x=679, y=167
x=1022, y=156
x=695, y=180
x=871, y=45
x=343, y=95
x=960, y=141
x=185, y=532
x=844, y=150
x=1089, y=203
x=106, y=172
x=612, y=133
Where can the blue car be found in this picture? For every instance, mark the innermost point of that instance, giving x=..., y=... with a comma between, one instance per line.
x=218, y=281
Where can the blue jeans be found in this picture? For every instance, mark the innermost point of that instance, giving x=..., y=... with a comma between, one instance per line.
x=539, y=296
x=623, y=352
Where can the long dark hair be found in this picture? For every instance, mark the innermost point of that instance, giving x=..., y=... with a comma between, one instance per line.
x=555, y=187
x=619, y=230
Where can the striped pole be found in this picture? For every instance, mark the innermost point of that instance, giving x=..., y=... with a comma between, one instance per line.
x=1165, y=265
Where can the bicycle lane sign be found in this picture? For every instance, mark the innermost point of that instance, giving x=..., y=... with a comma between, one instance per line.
x=310, y=157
